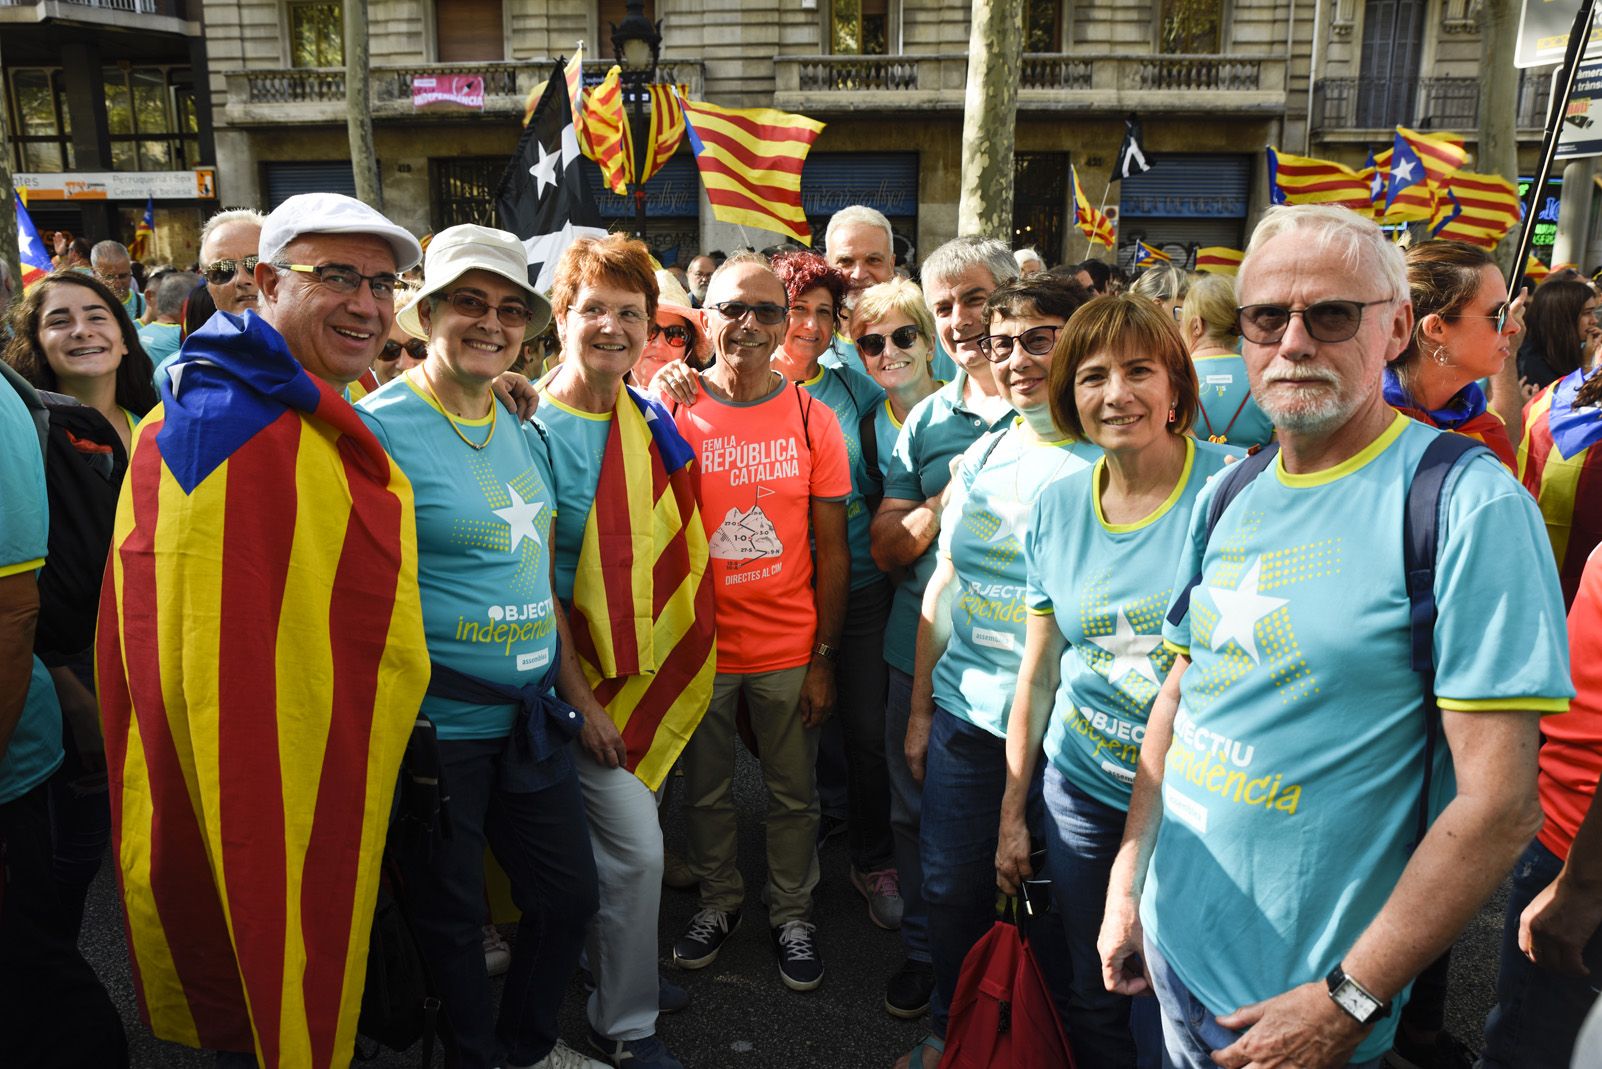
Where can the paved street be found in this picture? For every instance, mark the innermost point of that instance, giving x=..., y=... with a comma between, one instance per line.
x=742, y=1017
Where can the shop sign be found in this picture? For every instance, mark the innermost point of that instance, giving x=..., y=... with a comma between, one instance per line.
x=199, y=184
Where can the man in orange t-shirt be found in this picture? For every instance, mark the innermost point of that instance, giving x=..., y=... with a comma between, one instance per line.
x=1551, y=946
x=774, y=479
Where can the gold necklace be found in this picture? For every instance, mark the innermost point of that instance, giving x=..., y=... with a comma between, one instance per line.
x=452, y=419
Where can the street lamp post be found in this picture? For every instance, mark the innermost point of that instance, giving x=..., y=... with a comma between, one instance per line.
x=637, y=45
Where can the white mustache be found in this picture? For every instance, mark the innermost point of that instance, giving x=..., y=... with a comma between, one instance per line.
x=1303, y=374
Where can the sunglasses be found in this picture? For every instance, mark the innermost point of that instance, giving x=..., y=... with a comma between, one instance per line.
x=415, y=348
x=1498, y=315
x=902, y=338
x=223, y=271
x=1329, y=321
x=1036, y=341
x=766, y=312
x=676, y=336
x=475, y=307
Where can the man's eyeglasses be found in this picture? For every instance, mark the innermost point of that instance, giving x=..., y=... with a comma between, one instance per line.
x=902, y=338
x=766, y=312
x=415, y=348
x=223, y=271
x=1036, y=341
x=1328, y=321
x=473, y=306
x=673, y=334
x=342, y=278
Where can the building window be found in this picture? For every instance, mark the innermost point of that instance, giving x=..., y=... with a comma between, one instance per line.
x=1393, y=37
x=464, y=190
x=609, y=13
x=1040, y=203
x=39, y=118
x=859, y=27
x=150, y=118
x=316, y=35
x=1191, y=27
x=469, y=31
x=1043, y=26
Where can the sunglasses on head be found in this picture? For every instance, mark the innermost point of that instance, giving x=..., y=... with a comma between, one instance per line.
x=765, y=312
x=902, y=338
x=1328, y=321
x=415, y=348
x=223, y=271
x=675, y=335
x=1036, y=341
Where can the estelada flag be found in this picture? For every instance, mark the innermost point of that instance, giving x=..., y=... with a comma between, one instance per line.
x=1219, y=260
x=1306, y=180
x=1150, y=255
x=261, y=661
x=642, y=618
x=1557, y=465
x=31, y=248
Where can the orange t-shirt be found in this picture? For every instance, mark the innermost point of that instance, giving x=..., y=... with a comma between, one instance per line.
x=760, y=464
x=1571, y=757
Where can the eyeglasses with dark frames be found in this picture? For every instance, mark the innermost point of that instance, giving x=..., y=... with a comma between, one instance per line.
x=1326, y=321
x=1036, y=341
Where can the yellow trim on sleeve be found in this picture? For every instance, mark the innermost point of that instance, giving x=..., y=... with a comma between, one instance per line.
x=1349, y=465
x=1042, y=612
x=1176, y=649
x=1482, y=705
x=1157, y=513
x=7, y=570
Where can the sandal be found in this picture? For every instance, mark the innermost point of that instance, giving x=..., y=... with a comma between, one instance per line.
x=931, y=1043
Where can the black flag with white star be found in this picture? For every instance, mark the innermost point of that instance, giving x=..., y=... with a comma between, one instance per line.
x=544, y=197
x=1131, y=154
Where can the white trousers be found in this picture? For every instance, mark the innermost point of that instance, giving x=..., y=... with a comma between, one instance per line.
x=622, y=942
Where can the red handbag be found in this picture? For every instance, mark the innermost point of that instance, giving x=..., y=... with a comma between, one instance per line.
x=1002, y=1015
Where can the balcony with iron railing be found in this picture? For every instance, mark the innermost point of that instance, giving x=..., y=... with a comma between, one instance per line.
x=317, y=95
x=1076, y=82
x=117, y=13
x=1358, y=108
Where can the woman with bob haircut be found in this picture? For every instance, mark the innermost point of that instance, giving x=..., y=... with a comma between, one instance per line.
x=1100, y=553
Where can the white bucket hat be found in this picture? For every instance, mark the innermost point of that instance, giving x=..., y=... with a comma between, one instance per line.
x=459, y=249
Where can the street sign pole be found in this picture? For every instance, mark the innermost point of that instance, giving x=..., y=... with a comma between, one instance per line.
x=1570, y=69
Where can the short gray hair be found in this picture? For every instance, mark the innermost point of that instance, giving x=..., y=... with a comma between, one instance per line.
x=108, y=250
x=230, y=215
x=958, y=255
x=174, y=290
x=1361, y=243
x=859, y=215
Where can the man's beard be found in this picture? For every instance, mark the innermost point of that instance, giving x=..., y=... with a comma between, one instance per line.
x=1311, y=415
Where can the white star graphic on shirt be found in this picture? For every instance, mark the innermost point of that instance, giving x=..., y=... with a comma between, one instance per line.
x=520, y=517
x=1009, y=515
x=1240, y=609
x=1131, y=651
x=544, y=172
x=1403, y=170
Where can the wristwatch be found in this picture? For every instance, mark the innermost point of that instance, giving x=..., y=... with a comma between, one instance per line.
x=1350, y=996
x=827, y=652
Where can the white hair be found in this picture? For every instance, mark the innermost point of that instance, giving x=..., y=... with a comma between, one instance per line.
x=230, y=215
x=1360, y=243
x=1023, y=256
x=859, y=215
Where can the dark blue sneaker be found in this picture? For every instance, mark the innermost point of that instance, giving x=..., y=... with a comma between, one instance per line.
x=646, y=1053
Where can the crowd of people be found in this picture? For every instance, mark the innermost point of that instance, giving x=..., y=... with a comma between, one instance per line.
x=1252, y=625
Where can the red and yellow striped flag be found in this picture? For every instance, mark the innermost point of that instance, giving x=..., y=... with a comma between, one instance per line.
x=667, y=127
x=1091, y=222
x=642, y=598
x=1477, y=208
x=1557, y=465
x=1535, y=270
x=1219, y=260
x=609, y=142
x=261, y=661
x=750, y=161
x=1305, y=180
x=574, y=75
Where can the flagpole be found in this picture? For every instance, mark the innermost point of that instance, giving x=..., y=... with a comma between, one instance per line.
x=1579, y=37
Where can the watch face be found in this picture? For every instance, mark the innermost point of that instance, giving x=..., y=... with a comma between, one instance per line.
x=1351, y=999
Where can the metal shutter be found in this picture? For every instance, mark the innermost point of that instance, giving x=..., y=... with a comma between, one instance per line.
x=285, y=180
x=1189, y=187
x=887, y=181
x=672, y=193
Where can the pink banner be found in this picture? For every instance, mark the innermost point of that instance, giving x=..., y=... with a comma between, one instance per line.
x=466, y=90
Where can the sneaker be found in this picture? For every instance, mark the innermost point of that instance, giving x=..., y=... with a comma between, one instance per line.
x=497, y=951
x=799, y=965
x=670, y=997
x=702, y=940
x=676, y=872
x=882, y=889
x=1448, y=1052
x=907, y=993
x=645, y=1053
x=563, y=1056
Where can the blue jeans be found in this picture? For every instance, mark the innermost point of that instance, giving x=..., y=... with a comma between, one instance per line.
x=541, y=838
x=906, y=808
x=965, y=777
x=1538, y=1012
x=1082, y=840
x=1191, y=1031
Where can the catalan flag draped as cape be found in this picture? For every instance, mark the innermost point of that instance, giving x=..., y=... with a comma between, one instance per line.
x=1556, y=464
x=261, y=660
x=1466, y=414
x=642, y=615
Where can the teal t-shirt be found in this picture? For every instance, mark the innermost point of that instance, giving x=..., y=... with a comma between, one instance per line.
x=484, y=519
x=851, y=395
x=1291, y=786
x=35, y=748
x=982, y=531
x=160, y=342
x=916, y=468
x=1228, y=410
x=578, y=443
x=1107, y=587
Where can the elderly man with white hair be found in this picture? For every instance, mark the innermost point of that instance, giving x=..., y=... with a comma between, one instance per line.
x=1294, y=855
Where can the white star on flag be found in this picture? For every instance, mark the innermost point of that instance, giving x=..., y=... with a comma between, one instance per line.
x=1377, y=185
x=24, y=242
x=1240, y=609
x=520, y=517
x=1403, y=169
x=544, y=171
x=1131, y=651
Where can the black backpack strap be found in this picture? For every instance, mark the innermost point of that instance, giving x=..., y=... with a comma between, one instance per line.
x=1421, y=524
x=1231, y=483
